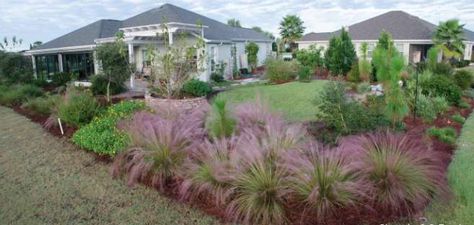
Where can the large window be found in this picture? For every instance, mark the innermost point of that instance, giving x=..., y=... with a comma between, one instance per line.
x=81, y=64
x=46, y=66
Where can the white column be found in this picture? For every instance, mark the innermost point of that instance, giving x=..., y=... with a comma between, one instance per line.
x=33, y=61
x=60, y=62
x=131, y=59
x=170, y=37
x=97, y=68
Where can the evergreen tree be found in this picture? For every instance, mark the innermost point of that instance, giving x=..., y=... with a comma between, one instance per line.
x=346, y=53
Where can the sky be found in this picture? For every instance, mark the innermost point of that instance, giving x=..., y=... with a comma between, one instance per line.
x=44, y=20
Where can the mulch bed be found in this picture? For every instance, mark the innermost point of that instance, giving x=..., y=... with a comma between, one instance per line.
x=346, y=216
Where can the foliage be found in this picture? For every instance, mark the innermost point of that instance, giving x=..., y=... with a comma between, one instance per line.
x=160, y=143
x=291, y=29
x=344, y=116
x=218, y=76
x=442, y=86
x=252, y=50
x=78, y=107
x=279, y=71
x=463, y=78
x=390, y=64
x=440, y=104
x=19, y=93
x=365, y=70
x=446, y=134
x=15, y=68
x=62, y=78
x=220, y=123
x=233, y=22
x=432, y=58
x=266, y=33
x=402, y=172
x=444, y=69
x=354, y=73
x=305, y=74
x=101, y=135
x=100, y=83
x=363, y=87
x=340, y=55
x=115, y=66
x=458, y=118
x=42, y=105
x=177, y=63
x=425, y=109
x=449, y=37
x=460, y=63
x=323, y=180
x=310, y=57
x=196, y=88
x=464, y=105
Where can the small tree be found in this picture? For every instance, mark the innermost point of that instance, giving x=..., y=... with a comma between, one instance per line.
x=233, y=22
x=291, y=29
x=310, y=57
x=252, y=50
x=178, y=63
x=365, y=67
x=341, y=54
x=390, y=64
x=449, y=37
x=330, y=54
x=115, y=65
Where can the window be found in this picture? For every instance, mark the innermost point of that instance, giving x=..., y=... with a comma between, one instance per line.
x=46, y=66
x=399, y=47
x=370, y=49
x=81, y=64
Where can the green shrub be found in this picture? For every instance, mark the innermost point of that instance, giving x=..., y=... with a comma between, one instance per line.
x=304, y=74
x=344, y=116
x=217, y=77
x=220, y=123
x=101, y=135
x=99, y=86
x=310, y=57
x=463, y=79
x=42, y=105
x=464, y=105
x=279, y=71
x=442, y=86
x=440, y=104
x=363, y=87
x=78, y=107
x=18, y=94
x=196, y=88
x=461, y=63
x=61, y=79
x=354, y=73
x=458, y=118
x=425, y=109
x=446, y=134
x=443, y=69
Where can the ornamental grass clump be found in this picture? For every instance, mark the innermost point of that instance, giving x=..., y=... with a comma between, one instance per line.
x=161, y=146
x=403, y=173
x=220, y=123
x=322, y=180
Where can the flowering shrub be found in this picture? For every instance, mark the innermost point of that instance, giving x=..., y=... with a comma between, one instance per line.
x=102, y=135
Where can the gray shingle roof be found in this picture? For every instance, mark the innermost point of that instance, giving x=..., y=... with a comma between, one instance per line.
x=165, y=13
x=85, y=35
x=401, y=25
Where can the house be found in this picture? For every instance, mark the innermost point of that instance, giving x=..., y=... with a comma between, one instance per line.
x=412, y=36
x=74, y=52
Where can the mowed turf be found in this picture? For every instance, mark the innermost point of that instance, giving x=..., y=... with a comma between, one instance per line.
x=45, y=180
x=461, y=181
x=294, y=100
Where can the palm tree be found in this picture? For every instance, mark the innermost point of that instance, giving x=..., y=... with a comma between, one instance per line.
x=449, y=37
x=233, y=22
x=10, y=44
x=291, y=29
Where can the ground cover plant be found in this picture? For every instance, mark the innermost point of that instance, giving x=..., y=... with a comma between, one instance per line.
x=101, y=135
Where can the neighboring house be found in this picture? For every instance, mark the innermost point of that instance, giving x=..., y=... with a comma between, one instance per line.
x=74, y=52
x=412, y=36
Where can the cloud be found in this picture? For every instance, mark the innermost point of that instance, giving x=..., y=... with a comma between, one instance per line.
x=44, y=20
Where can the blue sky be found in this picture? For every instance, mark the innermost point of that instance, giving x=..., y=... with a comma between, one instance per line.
x=44, y=20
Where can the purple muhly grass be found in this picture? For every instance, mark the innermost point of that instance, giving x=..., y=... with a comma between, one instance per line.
x=162, y=146
x=205, y=171
x=403, y=172
x=254, y=116
x=322, y=180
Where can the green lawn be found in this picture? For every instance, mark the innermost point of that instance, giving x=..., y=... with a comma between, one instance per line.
x=461, y=181
x=294, y=100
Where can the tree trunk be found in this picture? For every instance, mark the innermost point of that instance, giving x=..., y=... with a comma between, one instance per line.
x=108, y=91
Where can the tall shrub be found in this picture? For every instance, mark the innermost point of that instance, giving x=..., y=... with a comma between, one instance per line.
x=252, y=50
x=365, y=67
x=279, y=71
x=340, y=54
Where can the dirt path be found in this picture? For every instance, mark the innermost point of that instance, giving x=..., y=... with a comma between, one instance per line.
x=45, y=180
